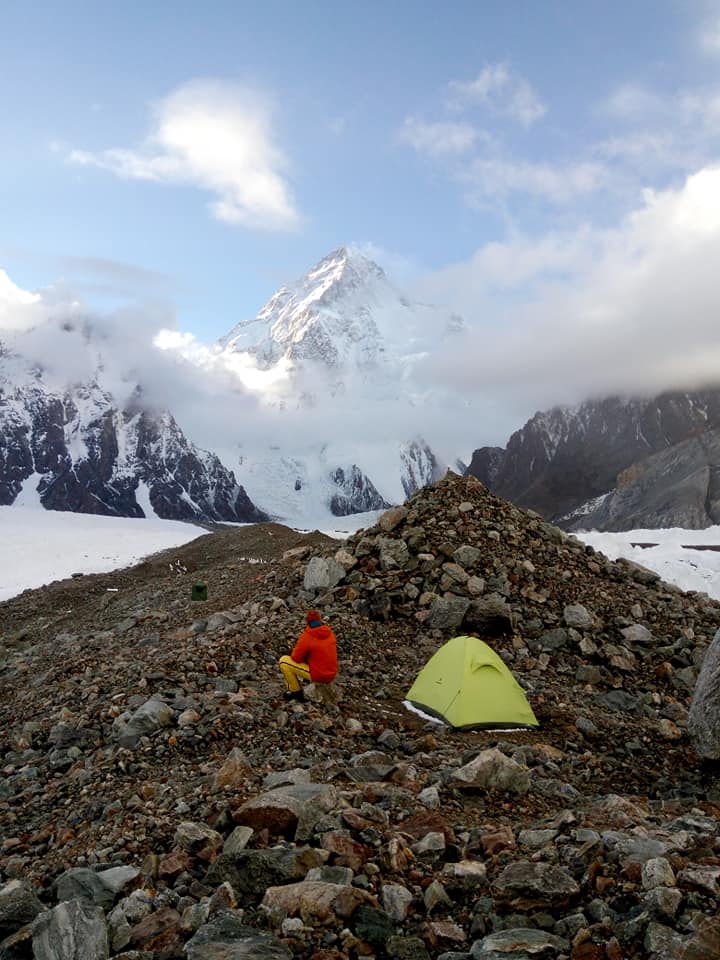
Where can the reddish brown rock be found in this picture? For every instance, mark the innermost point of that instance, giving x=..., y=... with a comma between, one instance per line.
x=705, y=942
x=444, y=934
x=496, y=839
x=160, y=932
x=317, y=902
x=426, y=821
x=345, y=851
x=282, y=810
x=174, y=863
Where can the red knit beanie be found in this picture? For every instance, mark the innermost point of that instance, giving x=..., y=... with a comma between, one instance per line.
x=313, y=617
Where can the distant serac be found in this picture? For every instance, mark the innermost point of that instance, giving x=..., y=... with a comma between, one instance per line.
x=76, y=450
x=614, y=464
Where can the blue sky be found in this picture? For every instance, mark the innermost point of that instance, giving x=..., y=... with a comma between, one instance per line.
x=201, y=154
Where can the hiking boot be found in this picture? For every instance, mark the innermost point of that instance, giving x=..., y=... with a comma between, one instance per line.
x=294, y=695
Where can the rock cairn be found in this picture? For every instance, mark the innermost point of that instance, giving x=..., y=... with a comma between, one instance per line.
x=160, y=800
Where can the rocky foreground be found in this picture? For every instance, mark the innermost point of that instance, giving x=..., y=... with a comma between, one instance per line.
x=159, y=798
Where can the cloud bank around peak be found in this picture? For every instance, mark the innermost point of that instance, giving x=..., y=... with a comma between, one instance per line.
x=630, y=310
x=555, y=318
x=217, y=137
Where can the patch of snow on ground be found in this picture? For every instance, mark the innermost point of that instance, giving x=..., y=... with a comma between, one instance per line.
x=29, y=496
x=339, y=528
x=344, y=527
x=39, y=546
x=688, y=569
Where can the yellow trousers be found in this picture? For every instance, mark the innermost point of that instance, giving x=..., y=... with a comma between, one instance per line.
x=294, y=672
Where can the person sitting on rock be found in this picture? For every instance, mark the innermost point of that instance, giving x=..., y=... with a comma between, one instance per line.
x=314, y=657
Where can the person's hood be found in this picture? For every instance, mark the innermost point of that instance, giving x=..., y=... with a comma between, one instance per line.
x=323, y=631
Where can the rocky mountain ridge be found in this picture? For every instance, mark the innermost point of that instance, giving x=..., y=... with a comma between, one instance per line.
x=76, y=450
x=343, y=315
x=339, y=346
x=166, y=802
x=678, y=487
x=563, y=461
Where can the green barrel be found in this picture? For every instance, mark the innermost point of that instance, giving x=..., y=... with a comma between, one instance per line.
x=199, y=591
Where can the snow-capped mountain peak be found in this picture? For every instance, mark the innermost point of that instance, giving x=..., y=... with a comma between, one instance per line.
x=343, y=314
x=333, y=388
x=344, y=269
x=343, y=342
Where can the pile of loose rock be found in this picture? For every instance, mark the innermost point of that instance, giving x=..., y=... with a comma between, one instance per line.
x=159, y=799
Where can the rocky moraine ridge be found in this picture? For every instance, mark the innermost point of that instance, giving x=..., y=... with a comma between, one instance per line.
x=159, y=798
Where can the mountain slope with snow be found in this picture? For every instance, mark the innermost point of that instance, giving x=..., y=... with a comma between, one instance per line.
x=77, y=447
x=565, y=462
x=337, y=343
x=318, y=408
x=346, y=316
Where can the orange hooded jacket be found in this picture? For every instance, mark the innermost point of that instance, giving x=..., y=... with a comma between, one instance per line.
x=317, y=647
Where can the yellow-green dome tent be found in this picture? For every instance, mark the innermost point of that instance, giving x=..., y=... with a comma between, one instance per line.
x=467, y=685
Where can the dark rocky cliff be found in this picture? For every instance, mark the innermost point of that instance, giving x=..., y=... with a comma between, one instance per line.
x=79, y=452
x=679, y=487
x=566, y=457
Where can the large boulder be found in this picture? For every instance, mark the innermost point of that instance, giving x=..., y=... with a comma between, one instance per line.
x=519, y=943
x=251, y=872
x=525, y=885
x=492, y=770
x=394, y=554
x=392, y=518
x=447, y=613
x=228, y=938
x=158, y=934
x=18, y=905
x=74, y=930
x=198, y=839
x=321, y=574
x=317, y=902
x=290, y=811
x=577, y=616
x=704, y=716
x=97, y=887
x=152, y=716
x=491, y=616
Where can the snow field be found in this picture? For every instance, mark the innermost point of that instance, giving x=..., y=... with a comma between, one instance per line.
x=39, y=546
x=688, y=569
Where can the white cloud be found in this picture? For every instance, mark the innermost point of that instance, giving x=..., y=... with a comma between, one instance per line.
x=482, y=162
x=638, y=146
x=679, y=109
x=19, y=309
x=217, y=137
x=630, y=310
x=631, y=101
x=554, y=318
x=492, y=178
x=517, y=264
x=676, y=131
x=502, y=89
x=437, y=139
